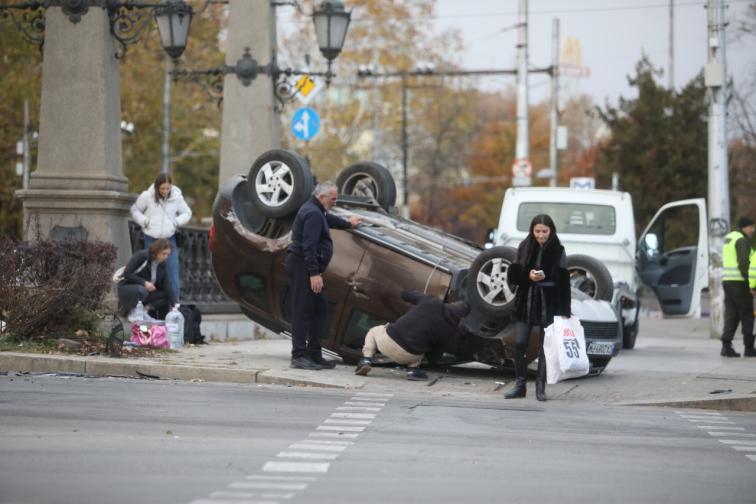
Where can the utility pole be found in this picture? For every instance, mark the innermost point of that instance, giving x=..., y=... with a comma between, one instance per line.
x=553, y=161
x=26, y=147
x=715, y=76
x=522, y=146
x=405, y=150
x=671, y=76
x=167, y=116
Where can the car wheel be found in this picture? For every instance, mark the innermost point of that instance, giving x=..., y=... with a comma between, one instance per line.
x=370, y=180
x=590, y=276
x=487, y=281
x=279, y=182
x=629, y=334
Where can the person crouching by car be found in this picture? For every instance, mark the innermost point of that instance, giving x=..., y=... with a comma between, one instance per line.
x=146, y=280
x=429, y=328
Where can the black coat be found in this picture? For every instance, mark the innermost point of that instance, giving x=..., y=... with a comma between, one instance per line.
x=557, y=295
x=132, y=277
x=428, y=328
x=310, y=235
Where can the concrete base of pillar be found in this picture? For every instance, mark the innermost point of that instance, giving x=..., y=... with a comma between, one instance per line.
x=228, y=327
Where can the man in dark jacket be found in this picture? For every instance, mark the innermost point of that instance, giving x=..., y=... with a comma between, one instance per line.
x=738, y=298
x=429, y=328
x=309, y=254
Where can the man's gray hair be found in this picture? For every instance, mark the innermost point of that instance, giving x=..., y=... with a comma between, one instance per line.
x=324, y=188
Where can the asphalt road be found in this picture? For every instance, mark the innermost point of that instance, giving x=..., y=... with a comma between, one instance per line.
x=79, y=441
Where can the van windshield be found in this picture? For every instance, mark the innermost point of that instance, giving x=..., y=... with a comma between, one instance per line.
x=576, y=218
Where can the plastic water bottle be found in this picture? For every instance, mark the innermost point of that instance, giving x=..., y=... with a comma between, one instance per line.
x=137, y=314
x=174, y=326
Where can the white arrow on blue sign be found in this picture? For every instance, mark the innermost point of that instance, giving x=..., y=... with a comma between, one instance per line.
x=305, y=124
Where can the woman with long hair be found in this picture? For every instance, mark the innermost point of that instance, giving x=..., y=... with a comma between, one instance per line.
x=543, y=292
x=159, y=211
x=146, y=280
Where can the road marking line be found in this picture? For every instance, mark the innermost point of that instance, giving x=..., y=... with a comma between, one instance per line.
x=752, y=457
x=743, y=448
x=362, y=399
x=333, y=434
x=702, y=417
x=327, y=442
x=358, y=408
x=353, y=415
x=700, y=413
x=308, y=455
x=719, y=427
x=251, y=485
x=362, y=403
x=744, y=434
x=737, y=441
x=343, y=421
x=345, y=428
x=302, y=446
x=306, y=467
x=373, y=394
x=232, y=501
x=250, y=495
x=711, y=420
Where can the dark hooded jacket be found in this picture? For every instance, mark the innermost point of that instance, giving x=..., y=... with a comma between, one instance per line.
x=429, y=328
x=538, y=303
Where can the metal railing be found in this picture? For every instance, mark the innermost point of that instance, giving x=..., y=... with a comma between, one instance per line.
x=198, y=283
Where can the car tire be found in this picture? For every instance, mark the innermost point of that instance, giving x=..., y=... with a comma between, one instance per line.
x=629, y=335
x=370, y=180
x=279, y=182
x=590, y=276
x=487, y=286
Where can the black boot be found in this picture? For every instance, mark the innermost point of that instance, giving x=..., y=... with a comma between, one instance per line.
x=541, y=378
x=728, y=351
x=519, y=387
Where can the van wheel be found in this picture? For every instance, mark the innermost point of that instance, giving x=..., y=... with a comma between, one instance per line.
x=488, y=290
x=369, y=180
x=590, y=276
x=629, y=335
x=279, y=182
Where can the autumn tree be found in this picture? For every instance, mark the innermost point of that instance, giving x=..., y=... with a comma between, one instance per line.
x=657, y=142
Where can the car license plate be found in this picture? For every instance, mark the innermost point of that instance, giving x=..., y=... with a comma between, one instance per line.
x=601, y=348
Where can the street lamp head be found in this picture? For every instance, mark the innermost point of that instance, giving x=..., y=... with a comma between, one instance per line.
x=173, y=20
x=331, y=25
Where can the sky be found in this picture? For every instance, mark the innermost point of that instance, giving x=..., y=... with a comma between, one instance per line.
x=613, y=35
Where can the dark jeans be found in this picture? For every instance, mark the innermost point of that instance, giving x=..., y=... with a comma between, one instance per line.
x=522, y=339
x=129, y=295
x=738, y=309
x=308, y=311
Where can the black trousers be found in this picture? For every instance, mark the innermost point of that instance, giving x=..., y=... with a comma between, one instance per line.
x=522, y=339
x=308, y=311
x=738, y=309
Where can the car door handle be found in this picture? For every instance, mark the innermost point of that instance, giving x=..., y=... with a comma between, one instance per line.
x=353, y=283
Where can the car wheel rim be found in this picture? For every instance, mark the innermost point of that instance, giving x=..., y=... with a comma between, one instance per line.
x=492, y=283
x=274, y=184
x=584, y=282
x=362, y=185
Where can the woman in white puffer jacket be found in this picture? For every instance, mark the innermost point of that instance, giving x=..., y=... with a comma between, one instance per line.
x=160, y=210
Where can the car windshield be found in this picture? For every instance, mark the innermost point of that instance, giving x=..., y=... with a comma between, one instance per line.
x=577, y=218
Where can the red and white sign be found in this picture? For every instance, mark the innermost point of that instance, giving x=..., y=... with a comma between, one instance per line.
x=522, y=168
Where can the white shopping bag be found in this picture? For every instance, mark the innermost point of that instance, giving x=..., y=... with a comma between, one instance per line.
x=565, y=351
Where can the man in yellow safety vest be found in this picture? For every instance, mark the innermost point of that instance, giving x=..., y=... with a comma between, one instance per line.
x=737, y=292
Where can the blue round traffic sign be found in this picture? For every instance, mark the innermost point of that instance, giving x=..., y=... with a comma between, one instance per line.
x=305, y=124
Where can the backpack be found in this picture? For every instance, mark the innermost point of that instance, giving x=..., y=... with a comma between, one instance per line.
x=192, y=321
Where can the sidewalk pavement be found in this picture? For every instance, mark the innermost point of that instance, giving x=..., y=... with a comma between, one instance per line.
x=674, y=363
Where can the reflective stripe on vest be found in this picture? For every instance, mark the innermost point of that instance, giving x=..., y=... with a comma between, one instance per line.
x=752, y=270
x=730, y=271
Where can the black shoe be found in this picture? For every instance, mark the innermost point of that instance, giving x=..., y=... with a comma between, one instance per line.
x=749, y=352
x=517, y=391
x=324, y=363
x=415, y=374
x=363, y=367
x=728, y=351
x=305, y=363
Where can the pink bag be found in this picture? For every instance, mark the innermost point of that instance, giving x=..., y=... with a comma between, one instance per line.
x=149, y=336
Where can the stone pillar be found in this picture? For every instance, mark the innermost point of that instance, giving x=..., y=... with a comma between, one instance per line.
x=79, y=188
x=250, y=122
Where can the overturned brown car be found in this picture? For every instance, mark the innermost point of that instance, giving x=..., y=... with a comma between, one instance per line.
x=372, y=264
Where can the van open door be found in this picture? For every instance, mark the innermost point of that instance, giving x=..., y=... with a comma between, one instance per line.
x=673, y=256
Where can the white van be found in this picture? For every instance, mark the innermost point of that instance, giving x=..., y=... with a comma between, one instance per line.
x=592, y=223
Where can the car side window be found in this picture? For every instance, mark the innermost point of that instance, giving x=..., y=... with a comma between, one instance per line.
x=357, y=326
x=253, y=290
